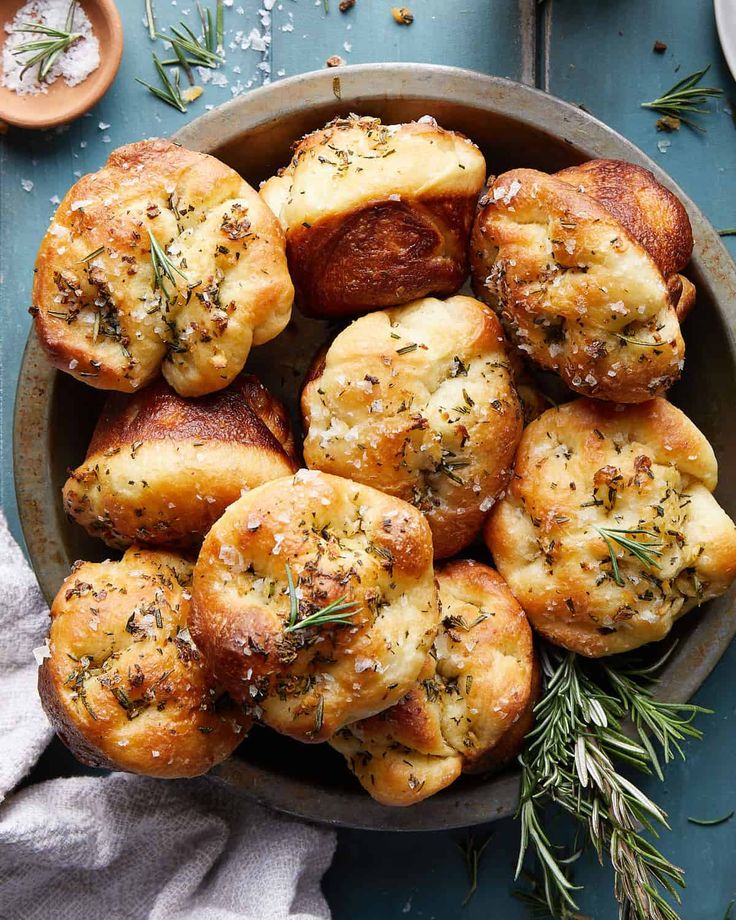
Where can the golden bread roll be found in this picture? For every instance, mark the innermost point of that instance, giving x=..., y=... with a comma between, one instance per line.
x=376, y=215
x=419, y=401
x=123, y=684
x=161, y=469
x=473, y=702
x=583, y=268
x=362, y=554
x=609, y=530
x=164, y=259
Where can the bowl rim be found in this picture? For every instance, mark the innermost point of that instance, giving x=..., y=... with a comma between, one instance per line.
x=358, y=85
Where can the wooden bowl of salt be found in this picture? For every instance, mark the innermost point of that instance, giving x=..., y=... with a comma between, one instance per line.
x=84, y=39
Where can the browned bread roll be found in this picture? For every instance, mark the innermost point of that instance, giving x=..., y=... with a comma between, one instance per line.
x=583, y=266
x=376, y=215
x=106, y=310
x=609, y=530
x=123, y=684
x=160, y=469
x=419, y=401
x=341, y=544
x=473, y=702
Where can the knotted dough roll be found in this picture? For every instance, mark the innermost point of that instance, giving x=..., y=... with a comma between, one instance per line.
x=315, y=601
x=609, y=530
x=122, y=682
x=473, y=702
x=583, y=266
x=419, y=401
x=163, y=260
x=377, y=215
x=160, y=469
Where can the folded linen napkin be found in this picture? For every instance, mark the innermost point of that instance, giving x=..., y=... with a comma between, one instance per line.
x=126, y=847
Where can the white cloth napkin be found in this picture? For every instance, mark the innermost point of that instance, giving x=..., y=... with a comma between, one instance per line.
x=126, y=847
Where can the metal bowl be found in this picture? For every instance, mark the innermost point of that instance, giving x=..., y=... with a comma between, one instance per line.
x=515, y=126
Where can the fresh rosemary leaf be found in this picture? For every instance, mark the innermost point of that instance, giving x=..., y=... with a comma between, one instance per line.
x=93, y=254
x=335, y=613
x=472, y=853
x=644, y=552
x=685, y=98
x=164, y=270
x=150, y=19
x=711, y=822
x=170, y=93
x=729, y=231
x=220, y=27
x=294, y=601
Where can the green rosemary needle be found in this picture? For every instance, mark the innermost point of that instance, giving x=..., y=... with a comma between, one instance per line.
x=197, y=52
x=170, y=94
x=685, y=98
x=729, y=231
x=220, y=27
x=163, y=270
x=472, y=853
x=336, y=612
x=45, y=51
x=150, y=19
x=711, y=822
x=644, y=552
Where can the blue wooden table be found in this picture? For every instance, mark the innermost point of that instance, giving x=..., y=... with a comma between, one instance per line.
x=596, y=54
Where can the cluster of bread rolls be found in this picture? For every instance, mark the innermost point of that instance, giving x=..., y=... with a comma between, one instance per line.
x=311, y=599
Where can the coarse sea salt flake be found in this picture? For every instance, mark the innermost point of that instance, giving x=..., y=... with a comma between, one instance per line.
x=41, y=652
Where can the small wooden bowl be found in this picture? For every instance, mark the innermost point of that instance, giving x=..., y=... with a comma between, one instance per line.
x=62, y=103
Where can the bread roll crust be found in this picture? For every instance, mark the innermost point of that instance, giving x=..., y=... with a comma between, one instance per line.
x=587, y=468
x=340, y=540
x=419, y=401
x=472, y=705
x=124, y=686
x=99, y=312
x=376, y=215
x=160, y=469
x=582, y=266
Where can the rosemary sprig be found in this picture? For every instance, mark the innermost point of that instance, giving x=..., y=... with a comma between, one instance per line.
x=644, y=552
x=163, y=270
x=45, y=51
x=685, y=98
x=570, y=760
x=668, y=723
x=197, y=52
x=472, y=853
x=151, y=20
x=336, y=612
x=170, y=94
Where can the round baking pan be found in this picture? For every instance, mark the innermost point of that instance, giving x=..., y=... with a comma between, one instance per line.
x=515, y=126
